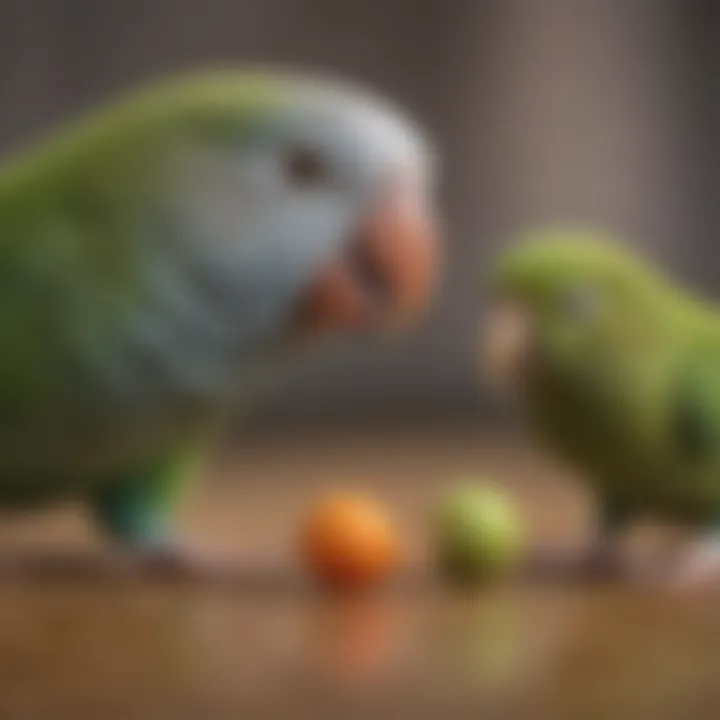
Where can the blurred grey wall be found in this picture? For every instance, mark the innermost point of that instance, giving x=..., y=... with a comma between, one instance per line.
x=547, y=110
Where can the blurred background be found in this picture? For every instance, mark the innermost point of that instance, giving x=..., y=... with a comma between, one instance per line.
x=599, y=112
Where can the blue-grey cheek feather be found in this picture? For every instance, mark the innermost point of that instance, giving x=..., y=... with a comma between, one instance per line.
x=210, y=302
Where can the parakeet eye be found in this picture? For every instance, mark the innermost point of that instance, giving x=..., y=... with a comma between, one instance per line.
x=304, y=167
x=580, y=302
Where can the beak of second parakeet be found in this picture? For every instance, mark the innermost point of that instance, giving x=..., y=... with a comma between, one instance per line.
x=387, y=273
x=506, y=345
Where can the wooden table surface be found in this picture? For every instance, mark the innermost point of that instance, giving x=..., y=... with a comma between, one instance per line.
x=79, y=649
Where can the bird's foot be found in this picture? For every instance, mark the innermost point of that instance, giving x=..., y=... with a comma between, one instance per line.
x=696, y=566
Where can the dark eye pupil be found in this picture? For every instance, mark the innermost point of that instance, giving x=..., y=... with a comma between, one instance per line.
x=304, y=167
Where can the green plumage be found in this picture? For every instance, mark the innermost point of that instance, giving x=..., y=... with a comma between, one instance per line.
x=622, y=375
x=76, y=213
x=78, y=219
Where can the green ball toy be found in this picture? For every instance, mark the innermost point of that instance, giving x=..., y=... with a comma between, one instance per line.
x=479, y=534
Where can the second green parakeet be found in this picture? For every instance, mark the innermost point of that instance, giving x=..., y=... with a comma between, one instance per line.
x=618, y=370
x=160, y=253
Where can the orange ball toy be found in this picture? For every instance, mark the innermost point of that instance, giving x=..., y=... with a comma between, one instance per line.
x=350, y=542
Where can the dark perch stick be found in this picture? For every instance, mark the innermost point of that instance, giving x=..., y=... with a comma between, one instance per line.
x=118, y=569
x=597, y=565
x=241, y=575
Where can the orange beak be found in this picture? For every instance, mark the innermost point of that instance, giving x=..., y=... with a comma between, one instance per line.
x=388, y=275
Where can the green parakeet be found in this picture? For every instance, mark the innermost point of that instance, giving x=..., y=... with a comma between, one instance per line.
x=618, y=370
x=160, y=252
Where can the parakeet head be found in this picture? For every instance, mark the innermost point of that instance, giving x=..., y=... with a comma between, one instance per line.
x=303, y=203
x=569, y=303
x=307, y=200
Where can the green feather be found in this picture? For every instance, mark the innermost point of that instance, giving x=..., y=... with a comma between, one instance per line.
x=74, y=218
x=629, y=391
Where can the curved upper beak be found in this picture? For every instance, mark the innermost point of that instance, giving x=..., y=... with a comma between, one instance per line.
x=505, y=344
x=388, y=272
